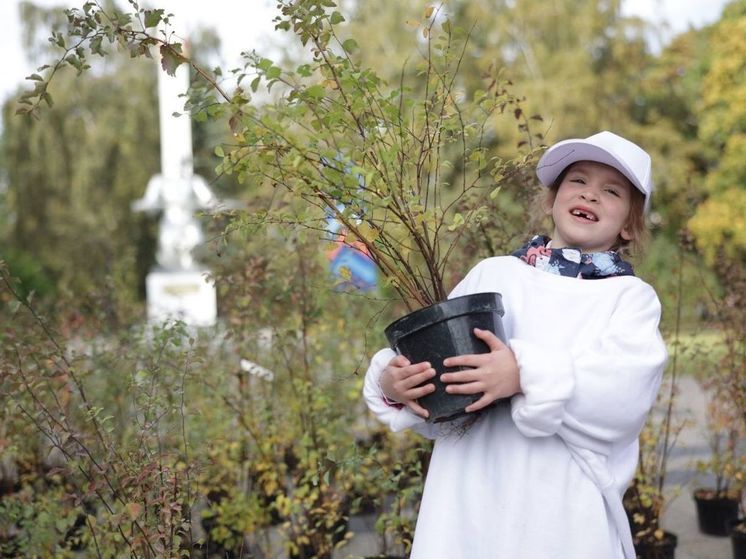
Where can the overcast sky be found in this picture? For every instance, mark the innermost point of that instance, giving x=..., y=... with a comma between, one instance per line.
x=247, y=24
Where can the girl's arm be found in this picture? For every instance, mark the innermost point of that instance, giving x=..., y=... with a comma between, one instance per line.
x=598, y=395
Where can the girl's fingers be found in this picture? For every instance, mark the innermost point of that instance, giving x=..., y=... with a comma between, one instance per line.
x=418, y=378
x=419, y=391
x=399, y=361
x=483, y=402
x=469, y=360
x=492, y=341
x=418, y=409
x=467, y=388
x=411, y=370
x=469, y=375
x=475, y=360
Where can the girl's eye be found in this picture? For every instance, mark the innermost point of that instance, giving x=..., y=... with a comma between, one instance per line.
x=578, y=180
x=613, y=192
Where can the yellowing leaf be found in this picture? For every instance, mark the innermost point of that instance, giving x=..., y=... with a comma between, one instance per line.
x=428, y=12
x=133, y=510
x=367, y=232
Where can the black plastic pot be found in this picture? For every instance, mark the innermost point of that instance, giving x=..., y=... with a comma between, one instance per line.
x=444, y=330
x=738, y=538
x=658, y=549
x=715, y=514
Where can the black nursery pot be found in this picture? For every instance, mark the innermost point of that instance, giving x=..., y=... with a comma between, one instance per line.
x=444, y=330
x=663, y=549
x=738, y=538
x=715, y=514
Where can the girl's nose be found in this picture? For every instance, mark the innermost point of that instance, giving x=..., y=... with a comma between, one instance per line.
x=589, y=195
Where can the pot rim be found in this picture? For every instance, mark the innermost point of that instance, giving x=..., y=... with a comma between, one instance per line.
x=699, y=494
x=472, y=303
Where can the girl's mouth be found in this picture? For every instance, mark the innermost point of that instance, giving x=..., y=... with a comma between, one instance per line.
x=584, y=214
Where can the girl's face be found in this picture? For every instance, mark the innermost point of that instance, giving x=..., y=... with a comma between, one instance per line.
x=591, y=208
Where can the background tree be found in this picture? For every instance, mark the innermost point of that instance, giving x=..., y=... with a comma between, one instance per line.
x=71, y=178
x=719, y=223
x=72, y=175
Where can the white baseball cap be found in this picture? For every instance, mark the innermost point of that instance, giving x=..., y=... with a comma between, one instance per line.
x=605, y=147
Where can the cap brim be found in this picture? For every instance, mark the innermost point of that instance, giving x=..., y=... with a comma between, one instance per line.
x=557, y=158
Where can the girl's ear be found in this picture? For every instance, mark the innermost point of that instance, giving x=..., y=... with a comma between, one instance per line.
x=626, y=233
x=549, y=203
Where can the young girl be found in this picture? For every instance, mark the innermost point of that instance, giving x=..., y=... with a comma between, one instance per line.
x=541, y=473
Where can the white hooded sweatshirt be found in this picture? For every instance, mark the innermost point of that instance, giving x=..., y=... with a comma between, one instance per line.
x=541, y=476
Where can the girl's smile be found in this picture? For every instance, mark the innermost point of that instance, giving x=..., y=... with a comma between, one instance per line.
x=591, y=208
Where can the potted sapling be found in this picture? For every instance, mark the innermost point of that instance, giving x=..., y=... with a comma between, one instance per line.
x=405, y=169
x=718, y=504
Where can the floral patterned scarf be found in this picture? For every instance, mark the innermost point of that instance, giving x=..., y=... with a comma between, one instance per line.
x=571, y=262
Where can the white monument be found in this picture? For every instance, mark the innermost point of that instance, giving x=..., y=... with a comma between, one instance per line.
x=178, y=287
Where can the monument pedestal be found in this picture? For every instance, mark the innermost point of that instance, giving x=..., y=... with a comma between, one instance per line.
x=181, y=295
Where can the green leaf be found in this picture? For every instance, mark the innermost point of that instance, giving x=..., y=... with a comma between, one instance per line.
x=316, y=91
x=96, y=45
x=153, y=17
x=458, y=221
x=35, y=77
x=350, y=45
x=336, y=18
x=273, y=73
x=170, y=59
x=219, y=151
x=264, y=64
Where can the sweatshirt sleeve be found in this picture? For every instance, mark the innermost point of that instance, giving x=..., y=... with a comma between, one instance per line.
x=599, y=395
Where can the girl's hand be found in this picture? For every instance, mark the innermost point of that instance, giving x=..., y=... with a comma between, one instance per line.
x=400, y=379
x=495, y=373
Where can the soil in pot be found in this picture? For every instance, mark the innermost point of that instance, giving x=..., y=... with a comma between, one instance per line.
x=445, y=330
x=738, y=538
x=664, y=548
x=715, y=514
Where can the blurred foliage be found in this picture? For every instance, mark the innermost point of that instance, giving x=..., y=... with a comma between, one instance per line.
x=720, y=221
x=70, y=177
x=164, y=442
